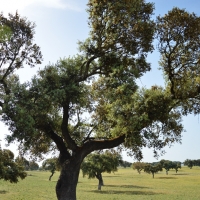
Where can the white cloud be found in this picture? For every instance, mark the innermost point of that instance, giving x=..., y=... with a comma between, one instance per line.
x=7, y=6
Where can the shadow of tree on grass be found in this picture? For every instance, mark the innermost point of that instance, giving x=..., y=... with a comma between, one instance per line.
x=31, y=175
x=167, y=178
x=124, y=192
x=180, y=174
x=127, y=192
x=3, y=191
x=127, y=186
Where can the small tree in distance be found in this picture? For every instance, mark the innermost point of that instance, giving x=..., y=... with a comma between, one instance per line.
x=52, y=165
x=97, y=163
x=152, y=168
x=139, y=166
x=189, y=163
x=176, y=165
x=197, y=162
x=167, y=165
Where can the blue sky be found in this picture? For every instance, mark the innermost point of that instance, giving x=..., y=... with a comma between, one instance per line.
x=59, y=26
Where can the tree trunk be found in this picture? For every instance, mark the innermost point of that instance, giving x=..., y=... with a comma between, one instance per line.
x=51, y=176
x=67, y=182
x=99, y=177
x=153, y=174
x=70, y=164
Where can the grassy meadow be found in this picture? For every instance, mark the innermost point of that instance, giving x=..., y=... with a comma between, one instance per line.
x=126, y=184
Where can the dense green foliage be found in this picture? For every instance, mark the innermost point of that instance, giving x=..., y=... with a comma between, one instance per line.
x=23, y=161
x=9, y=169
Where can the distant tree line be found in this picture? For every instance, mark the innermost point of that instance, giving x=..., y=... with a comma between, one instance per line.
x=125, y=164
x=153, y=168
x=190, y=163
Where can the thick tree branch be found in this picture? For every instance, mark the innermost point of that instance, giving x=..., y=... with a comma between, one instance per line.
x=84, y=72
x=1, y=104
x=65, y=132
x=56, y=138
x=10, y=69
x=90, y=146
x=88, y=136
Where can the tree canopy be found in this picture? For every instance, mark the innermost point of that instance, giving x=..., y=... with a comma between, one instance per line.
x=189, y=163
x=167, y=165
x=92, y=101
x=96, y=163
x=151, y=168
x=139, y=166
x=9, y=169
x=23, y=161
x=176, y=166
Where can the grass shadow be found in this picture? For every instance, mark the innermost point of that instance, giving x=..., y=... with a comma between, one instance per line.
x=180, y=174
x=31, y=175
x=3, y=192
x=127, y=186
x=167, y=178
x=124, y=192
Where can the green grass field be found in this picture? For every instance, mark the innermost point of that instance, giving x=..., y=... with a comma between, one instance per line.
x=126, y=184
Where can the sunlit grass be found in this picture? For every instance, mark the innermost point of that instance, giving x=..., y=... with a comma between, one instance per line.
x=126, y=184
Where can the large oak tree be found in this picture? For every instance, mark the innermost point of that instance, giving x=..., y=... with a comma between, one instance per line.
x=91, y=101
